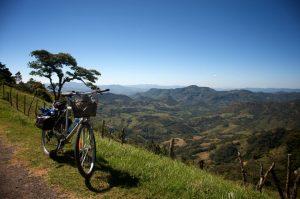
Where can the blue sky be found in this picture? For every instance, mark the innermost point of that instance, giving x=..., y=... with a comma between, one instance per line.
x=229, y=44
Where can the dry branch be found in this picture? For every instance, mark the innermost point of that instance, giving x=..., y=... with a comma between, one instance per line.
x=263, y=178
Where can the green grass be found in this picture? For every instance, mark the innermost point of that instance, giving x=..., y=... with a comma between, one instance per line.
x=21, y=99
x=123, y=171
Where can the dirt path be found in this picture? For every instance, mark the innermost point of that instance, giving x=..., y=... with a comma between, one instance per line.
x=16, y=180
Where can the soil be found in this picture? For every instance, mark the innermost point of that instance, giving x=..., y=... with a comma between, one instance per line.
x=16, y=181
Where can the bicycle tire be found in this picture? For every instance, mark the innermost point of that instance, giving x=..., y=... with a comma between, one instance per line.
x=49, y=152
x=79, y=151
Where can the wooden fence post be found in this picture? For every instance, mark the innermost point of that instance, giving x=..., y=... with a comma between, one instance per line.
x=123, y=136
x=171, y=149
x=242, y=168
x=296, y=181
x=17, y=101
x=277, y=183
x=288, y=177
x=201, y=164
x=3, y=90
x=36, y=107
x=28, y=112
x=103, y=128
x=24, y=104
x=7, y=96
x=261, y=177
x=10, y=96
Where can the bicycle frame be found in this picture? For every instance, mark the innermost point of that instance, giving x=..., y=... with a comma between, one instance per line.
x=70, y=132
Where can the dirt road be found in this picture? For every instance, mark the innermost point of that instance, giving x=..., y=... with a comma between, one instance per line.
x=16, y=180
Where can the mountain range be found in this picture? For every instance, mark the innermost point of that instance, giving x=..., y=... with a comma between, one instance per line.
x=131, y=90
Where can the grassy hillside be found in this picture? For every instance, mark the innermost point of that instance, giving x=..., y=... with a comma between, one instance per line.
x=123, y=171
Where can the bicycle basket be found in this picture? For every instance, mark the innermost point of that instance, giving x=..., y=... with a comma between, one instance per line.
x=84, y=106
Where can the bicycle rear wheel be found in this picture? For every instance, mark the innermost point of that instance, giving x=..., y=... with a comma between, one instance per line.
x=85, y=150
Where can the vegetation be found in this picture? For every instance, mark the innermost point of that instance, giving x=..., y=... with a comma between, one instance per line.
x=123, y=171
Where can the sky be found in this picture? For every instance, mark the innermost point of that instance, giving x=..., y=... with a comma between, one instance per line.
x=223, y=44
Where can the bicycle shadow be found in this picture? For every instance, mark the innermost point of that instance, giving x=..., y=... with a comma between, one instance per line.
x=104, y=177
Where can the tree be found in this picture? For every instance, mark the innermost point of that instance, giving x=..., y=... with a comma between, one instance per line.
x=18, y=77
x=5, y=75
x=39, y=89
x=48, y=65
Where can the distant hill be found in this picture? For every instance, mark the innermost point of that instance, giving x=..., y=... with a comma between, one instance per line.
x=273, y=90
x=131, y=90
x=204, y=96
x=128, y=90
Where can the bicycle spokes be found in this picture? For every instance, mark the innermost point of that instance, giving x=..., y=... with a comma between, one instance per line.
x=85, y=149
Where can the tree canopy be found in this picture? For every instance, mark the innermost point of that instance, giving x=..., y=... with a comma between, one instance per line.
x=18, y=77
x=5, y=75
x=61, y=67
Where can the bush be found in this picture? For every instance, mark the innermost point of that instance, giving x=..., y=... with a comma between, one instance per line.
x=225, y=153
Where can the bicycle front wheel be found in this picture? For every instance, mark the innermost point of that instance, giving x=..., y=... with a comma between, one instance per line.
x=85, y=150
x=50, y=142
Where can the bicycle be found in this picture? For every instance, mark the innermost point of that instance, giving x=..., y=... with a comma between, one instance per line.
x=58, y=129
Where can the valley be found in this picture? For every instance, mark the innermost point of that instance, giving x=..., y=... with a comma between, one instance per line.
x=207, y=124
